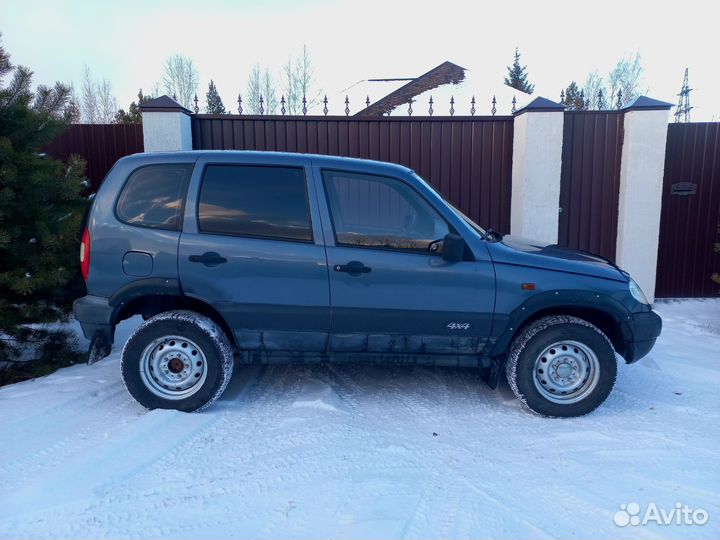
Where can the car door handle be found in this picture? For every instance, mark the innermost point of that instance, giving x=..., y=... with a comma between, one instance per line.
x=354, y=268
x=209, y=258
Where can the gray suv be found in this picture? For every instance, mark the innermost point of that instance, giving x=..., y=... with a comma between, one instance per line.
x=272, y=257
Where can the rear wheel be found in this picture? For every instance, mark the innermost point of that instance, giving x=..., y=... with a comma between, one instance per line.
x=561, y=366
x=177, y=360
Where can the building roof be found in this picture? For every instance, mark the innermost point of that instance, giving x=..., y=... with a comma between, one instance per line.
x=647, y=103
x=163, y=103
x=445, y=73
x=540, y=104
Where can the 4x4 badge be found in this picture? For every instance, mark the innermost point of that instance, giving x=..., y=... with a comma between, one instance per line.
x=458, y=326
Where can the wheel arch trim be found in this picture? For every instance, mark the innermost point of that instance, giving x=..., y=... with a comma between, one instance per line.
x=167, y=296
x=567, y=302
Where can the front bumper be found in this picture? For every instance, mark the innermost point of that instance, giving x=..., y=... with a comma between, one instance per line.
x=95, y=317
x=644, y=328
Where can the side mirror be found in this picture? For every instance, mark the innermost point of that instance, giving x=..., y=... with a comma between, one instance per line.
x=453, y=247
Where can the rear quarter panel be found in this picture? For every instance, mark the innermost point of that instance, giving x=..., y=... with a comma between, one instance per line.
x=111, y=239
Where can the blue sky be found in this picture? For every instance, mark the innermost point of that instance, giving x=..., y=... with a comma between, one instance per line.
x=127, y=42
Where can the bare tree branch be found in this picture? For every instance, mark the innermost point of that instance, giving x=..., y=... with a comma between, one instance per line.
x=626, y=77
x=181, y=79
x=254, y=90
x=269, y=94
x=107, y=104
x=290, y=88
x=89, y=108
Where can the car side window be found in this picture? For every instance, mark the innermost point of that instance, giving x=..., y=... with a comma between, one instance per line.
x=380, y=212
x=154, y=196
x=256, y=201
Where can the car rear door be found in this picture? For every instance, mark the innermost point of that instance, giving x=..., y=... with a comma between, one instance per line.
x=390, y=292
x=252, y=247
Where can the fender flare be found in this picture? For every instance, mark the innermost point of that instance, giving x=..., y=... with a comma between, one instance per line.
x=166, y=287
x=144, y=287
x=557, y=301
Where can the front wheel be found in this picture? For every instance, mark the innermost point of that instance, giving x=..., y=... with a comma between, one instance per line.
x=561, y=366
x=177, y=360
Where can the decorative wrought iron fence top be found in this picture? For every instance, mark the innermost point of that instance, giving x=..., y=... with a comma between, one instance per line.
x=261, y=107
x=258, y=105
x=580, y=102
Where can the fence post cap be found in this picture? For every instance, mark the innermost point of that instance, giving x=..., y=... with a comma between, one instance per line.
x=644, y=103
x=163, y=104
x=540, y=104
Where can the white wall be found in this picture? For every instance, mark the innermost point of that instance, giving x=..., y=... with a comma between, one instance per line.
x=641, y=180
x=537, y=155
x=166, y=131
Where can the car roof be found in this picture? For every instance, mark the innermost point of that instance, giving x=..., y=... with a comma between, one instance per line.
x=280, y=157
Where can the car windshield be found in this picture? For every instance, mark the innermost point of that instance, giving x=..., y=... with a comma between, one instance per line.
x=462, y=216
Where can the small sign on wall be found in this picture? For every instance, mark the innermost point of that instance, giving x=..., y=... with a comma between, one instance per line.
x=683, y=188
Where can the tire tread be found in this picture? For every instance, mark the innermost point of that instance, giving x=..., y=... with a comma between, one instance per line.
x=519, y=344
x=202, y=323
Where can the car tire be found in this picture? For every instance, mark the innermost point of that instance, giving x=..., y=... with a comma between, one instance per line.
x=178, y=360
x=561, y=366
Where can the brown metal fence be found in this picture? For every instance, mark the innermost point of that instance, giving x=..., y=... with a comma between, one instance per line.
x=590, y=180
x=100, y=145
x=690, y=212
x=467, y=158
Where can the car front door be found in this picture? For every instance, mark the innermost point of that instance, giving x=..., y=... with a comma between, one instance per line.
x=390, y=291
x=252, y=248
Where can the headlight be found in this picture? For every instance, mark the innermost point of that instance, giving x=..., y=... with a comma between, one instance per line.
x=636, y=292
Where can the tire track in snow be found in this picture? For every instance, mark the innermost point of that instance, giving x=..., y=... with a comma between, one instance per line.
x=188, y=453
x=49, y=457
x=314, y=462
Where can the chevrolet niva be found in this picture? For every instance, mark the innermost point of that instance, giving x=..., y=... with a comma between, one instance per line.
x=276, y=257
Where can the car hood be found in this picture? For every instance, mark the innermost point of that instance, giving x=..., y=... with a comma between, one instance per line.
x=525, y=252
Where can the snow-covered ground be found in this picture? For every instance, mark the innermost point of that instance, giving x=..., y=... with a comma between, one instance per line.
x=366, y=452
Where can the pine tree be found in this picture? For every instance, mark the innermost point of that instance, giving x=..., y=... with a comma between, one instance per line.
x=214, y=101
x=517, y=76
x=575, y=98
x=40, y=213
x=133, y=115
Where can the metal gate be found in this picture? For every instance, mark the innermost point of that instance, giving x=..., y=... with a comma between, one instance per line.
x=466, y=158
x=690, y=212
x=590, y=181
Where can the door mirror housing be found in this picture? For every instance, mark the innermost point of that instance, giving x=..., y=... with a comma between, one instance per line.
x=453, y=248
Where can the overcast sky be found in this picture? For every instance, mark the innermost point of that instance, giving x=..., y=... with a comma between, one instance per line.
x=127, y=42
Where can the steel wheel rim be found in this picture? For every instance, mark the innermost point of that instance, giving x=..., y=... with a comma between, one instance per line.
x=173, y=367
x=566, y=372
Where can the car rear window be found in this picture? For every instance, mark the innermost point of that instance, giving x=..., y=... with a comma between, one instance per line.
x=153, y=196
x=256, y=201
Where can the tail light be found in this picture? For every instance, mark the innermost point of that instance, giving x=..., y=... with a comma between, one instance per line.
x=85, y=254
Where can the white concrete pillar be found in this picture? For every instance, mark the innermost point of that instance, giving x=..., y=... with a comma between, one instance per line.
x=166, y=125
x=537, y=160
x=641, y=181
